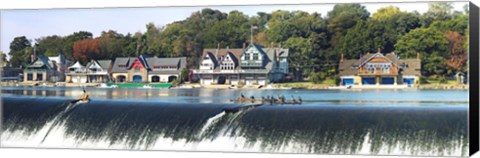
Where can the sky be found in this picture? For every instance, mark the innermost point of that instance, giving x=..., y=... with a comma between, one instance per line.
x=37, y=23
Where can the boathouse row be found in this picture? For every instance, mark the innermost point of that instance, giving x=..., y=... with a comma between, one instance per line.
x=123, y=69
x=251, y=65
x=379, y=70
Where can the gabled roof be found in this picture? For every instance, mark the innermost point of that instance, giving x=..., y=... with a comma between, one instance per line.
x=76, y=65
x=179, y=62
x=346, y=67
x=214, y=54
x=369, y=56
x=39, y=62
x=412, y=66
x=103, y=64
x=121, y=61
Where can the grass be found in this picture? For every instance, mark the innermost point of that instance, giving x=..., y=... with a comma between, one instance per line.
x=437, y=82
x=307, y=83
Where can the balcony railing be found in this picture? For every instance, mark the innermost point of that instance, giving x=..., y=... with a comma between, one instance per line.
x=230, y=71
x=377, y=72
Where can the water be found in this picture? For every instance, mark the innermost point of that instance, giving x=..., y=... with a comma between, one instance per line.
x=398, y=122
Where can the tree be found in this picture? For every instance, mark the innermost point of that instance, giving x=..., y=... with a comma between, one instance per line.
x=432, y=46
x=300, y=57
x=437, y=11
x=50, y=45
x=20, y=51
x=3, y=59
x=343, y=17
x=458, y=57
x=86, y=50
x=70, y=39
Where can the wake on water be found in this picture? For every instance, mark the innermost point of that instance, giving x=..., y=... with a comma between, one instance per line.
x=57, y=119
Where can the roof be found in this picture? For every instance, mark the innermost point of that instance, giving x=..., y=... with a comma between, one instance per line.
x=412, y=67
x=121, y=61
x=104, y=64
x=40, y=62
x=76, y=65
x=147, y=61
x=346, y=67
x=216, y=53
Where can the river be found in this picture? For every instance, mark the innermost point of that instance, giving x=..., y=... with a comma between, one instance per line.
x=385, y=122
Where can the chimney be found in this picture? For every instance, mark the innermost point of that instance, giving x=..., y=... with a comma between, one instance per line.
x=341, y=57
x=244, y=44
x=34, y=54
x=418, y=56
x=379, y=50
x=32, y=58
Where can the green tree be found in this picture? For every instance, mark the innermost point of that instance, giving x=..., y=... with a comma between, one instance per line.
x=3, y=59
x=430, y=44
x=343, y=17
x=20, y=51
x=437, y=11
x=50, y=45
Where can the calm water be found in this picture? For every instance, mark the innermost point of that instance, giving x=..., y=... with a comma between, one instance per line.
x=391, y=122
x=310, y=97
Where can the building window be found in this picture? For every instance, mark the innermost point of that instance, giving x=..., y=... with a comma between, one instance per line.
x=137, y=69
x=247, y=56
x=255, y=56
x=39, y=76
x=29, y=76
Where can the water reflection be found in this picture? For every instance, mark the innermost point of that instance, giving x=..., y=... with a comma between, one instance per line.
x=310, y=97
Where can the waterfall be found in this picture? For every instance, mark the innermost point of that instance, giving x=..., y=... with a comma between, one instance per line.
x=211, y=121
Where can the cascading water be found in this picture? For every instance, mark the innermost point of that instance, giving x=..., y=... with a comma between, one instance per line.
x=46, y=122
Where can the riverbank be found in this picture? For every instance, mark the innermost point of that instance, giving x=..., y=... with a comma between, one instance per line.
x=289, y=85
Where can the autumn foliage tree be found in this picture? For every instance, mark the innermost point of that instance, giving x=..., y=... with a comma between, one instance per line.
x=86, y=50
x=458, y=57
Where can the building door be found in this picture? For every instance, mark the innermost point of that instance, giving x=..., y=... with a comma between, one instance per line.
x=387, y=80
x=155, y=79
x=408, y=81
x=368, y=80
x=137, y=78
x=121, y=78
x=221, y=80
x=171, y=78
x=347, y=81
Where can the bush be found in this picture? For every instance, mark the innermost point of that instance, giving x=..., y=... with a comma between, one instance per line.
x=443, y=79
x=175, y=82
x=423, y=80
x=317, y=77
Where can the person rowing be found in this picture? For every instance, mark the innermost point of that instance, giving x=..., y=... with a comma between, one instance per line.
x=252, y=99
x=293, y=101
x=299, y=100
x=84, y=97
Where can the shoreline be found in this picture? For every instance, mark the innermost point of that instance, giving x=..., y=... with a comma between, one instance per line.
x=280, y=86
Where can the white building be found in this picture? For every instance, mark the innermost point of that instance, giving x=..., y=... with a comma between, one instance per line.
x=253, y=65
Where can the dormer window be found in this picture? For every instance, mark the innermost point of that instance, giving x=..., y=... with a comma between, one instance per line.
x=255, y=56
x=247, y=56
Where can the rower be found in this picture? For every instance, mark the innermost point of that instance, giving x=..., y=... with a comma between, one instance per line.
x=84, y=96
x=293, y=100
x=299, y=100
x=252, y=99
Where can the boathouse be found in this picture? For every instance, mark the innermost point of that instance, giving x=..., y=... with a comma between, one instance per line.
x=377, y=69
x=145, y=68
x=252, y=65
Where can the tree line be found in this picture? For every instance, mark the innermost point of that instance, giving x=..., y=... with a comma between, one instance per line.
x=439, y=35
